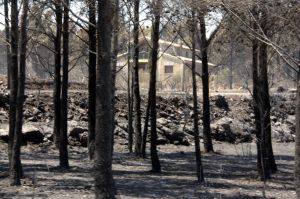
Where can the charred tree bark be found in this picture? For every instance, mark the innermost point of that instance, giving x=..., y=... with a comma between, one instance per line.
x=255, y=54
x=129, y=103
x=297, y=138
x=14, y=35
x=145, y=132
x=104, y=186
x=199, y=166
x=152, y=87
x=265, y=96
x=264, y=112
x=265, y=158
x=208, y=146
x=136, y=85
x=63, y=144
x=16, y=166
x=115, y=52
x=57, y=75
x=7, y=39
x=92, y=77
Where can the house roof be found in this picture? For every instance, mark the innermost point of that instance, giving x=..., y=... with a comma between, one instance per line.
x=169, y=43
x=185, y=59
x=181, y=58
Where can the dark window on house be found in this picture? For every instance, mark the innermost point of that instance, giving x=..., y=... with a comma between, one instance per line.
x=169, y=69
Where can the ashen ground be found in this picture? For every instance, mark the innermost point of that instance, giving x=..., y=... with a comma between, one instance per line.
x=229, y=173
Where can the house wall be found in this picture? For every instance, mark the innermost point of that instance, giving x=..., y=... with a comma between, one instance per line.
x=169, y=81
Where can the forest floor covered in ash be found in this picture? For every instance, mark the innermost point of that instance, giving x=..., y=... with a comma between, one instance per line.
x=229, y=173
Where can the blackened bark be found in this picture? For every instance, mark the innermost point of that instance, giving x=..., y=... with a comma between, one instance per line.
x=265, y=109
x=57, y=75
x=136, y=85
x=14, y=35
x=129, y=104
x=255, y=54
x=104, y=124
x=7, y=39
x=115, y=52
x=92, y=77
x=16, y=167
x=208, y=146
x=145, y=131
x=297, y=138
x=152, y=87
x=199, y=166
x=265, y=158
x=63, y=143
x=265, y=96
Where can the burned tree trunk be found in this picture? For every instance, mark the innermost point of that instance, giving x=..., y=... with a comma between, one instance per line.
x=57, y=75
x=15, y=165
x=297, y=138
x=200, y=176
x=136, y=85
x=7, y=39
x=152, y=87
x=265, y=96
x=104, y=124
x=265, y=158
x=115, y=50
x=14, y=35
x=208, y=146
x=129, y=103
x=255, y=53
x=145, y=131
x=63, y=143
x=92, y=77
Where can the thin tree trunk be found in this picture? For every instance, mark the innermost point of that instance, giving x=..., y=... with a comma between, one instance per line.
x=129, y=103
x=92, y=77
x=231, y=66
x=145, y=132
x=104, y=186
x=200, y=175
x=57, y=75
x=263, y=77
x=255, y=54
x=115, y=52
x=208, y=146
x=152, y=90
x=136, y=85
x=13, y=76
x=63, y=144
x=16, y=166
x=297, y=138
x=7, y=39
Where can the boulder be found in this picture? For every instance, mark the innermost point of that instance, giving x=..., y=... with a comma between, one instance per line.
x=4, y=99
x=75, y=132
x=291, y=119
x=162, y=121
x=282, y=133
x=231, y=130
x=221, y=102
x=30, y=133
x=83, y=139
x=4, y=135
x=175, y=136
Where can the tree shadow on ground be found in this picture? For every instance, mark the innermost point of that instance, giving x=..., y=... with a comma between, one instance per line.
x=178, y=177
x=227, y=176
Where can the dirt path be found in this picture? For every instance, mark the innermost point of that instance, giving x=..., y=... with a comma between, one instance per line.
x=230, y=173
